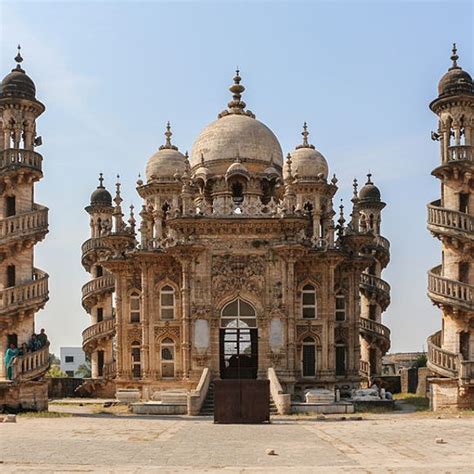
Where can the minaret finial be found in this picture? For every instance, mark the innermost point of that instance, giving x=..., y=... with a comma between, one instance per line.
x=369, y=175
x=454, y=56
x=237, y=104
x=354, y=185
x=101, y=181
x=168, y=135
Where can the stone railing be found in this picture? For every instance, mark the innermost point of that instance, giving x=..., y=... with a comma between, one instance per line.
x=19, y=157
x=24, y=224
x=31, y=365
x=460, y=221
x=460, y=153
x=109, y=370
x=25, y=294
x=376, y=285
x=364, y=368
x=93, y=244
x=101, y=329
x=382, y=242
x=281, y=399
x=445, y=290
x=98, y=285
x=441, y=361
x=375, y=328
x=195, y=398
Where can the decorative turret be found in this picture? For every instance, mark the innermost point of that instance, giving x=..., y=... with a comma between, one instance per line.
x=451, y=220
x=23, y=223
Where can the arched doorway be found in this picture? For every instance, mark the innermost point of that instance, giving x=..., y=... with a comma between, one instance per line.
x=238, y=341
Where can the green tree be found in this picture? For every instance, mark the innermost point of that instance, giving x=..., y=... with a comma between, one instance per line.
x=55, y=372
x=53, y=359
x=84, y=371
x=420, y=361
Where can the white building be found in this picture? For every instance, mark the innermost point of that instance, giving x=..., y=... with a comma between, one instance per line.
x=71, y=359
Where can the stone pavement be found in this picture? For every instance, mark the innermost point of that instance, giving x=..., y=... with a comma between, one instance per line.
x=107, y=443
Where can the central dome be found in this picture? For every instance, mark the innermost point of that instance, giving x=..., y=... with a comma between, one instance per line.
x=236, y=134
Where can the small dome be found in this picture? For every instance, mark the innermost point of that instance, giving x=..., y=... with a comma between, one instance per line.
x=369, y=192
x=167, y=161
x=307, y=162
x=101, y=197
x=237, y=168
x=455, y=81
x=236, y=133
x=18, y=83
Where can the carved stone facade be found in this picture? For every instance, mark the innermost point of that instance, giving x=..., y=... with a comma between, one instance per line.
x=239, y=266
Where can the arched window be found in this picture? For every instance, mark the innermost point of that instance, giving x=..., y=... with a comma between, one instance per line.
x=136, y=360
x=11, y=206
x=341, y=356
x=99, y=271
x=11, y=276
x=238, y=314
x=308, y=302
x=340, y=307
x=135, y=307
x=167, y=355
x=167, y=302
x=308, y=357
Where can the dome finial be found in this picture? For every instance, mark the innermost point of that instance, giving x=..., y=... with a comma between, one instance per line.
x=354, y=185
x=101, y=181
x=168, y=135
x=454, y=57
x=18, y=57
x=305, y=134
x=369, y=176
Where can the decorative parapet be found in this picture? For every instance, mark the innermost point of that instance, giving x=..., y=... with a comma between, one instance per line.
x=445, y=291
x=460, y=153
x=374, y=328
x=377, y=286
x=22, y=225
x=95, y=287
x=96, y=331
x=446, y=219
x=15, y=157
x=31, y=365
x=25, y=295
x=441, y=361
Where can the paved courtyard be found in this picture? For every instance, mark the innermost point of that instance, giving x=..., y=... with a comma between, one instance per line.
x=90, y=442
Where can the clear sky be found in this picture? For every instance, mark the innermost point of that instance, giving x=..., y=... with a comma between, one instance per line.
x=361, y=74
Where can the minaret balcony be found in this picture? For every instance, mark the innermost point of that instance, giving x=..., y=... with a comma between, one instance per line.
x=13, y=158
x=444, y=291
x=376, y=330
x=94, y=333
x=446, y=222
x=381, y=246
x=29, y=226
x=94, y=288
x=31, y=365
x=92, y=251
x=460, y=153
x=376, y=287
x=25, y=296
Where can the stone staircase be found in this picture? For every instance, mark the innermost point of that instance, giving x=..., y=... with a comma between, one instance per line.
x=207, y=408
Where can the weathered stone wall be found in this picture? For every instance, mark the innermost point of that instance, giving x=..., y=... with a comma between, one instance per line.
x=26, y=396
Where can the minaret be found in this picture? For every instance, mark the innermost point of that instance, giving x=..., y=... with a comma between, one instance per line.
x=23, y=223
x=374, y=291
x=97, y=294
x=450, y=219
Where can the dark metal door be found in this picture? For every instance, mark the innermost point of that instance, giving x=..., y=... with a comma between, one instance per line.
x=309, y=360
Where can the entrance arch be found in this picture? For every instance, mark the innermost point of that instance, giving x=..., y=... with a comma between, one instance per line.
x=238, y=341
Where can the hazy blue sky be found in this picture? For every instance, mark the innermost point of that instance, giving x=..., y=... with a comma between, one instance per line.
x=111, y=74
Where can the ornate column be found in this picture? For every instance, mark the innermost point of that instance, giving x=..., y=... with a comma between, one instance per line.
x=145, y=321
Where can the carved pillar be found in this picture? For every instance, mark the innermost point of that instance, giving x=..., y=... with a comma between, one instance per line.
x=121, y=338
x=291, y=312
x=145, y=322
x=186, y=315
x=94, y=364
x=3, y=348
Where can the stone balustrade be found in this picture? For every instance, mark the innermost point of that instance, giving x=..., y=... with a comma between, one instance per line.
x=93, y=244
x=382, y=242
x=96, y=286
x=466, y=371
x=376, y=285
x=374, y=328
x=446, y=291
x=441, y=217
x=31, y=365
x=101, y=329
x=25, y=294
x=460, y=153
x=15, y=157
x=440, y=360
x=24, y=224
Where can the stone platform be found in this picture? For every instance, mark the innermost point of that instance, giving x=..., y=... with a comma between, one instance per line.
x=158, y=408
x=323, y=408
